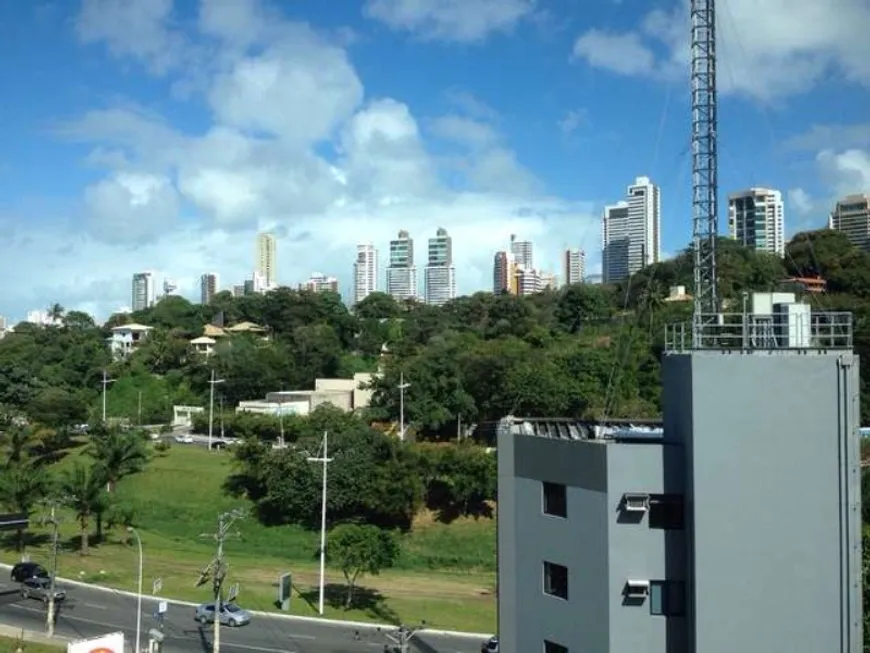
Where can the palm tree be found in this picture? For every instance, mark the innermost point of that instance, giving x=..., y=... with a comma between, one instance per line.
x=21, y=486
x=117, y=454
x=16, y=442
x=55, y=314
x=84, y=487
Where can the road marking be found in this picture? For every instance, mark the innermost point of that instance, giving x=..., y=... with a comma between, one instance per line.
x=248, y=647
x=94, y=605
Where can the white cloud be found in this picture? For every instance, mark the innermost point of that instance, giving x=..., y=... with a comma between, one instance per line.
x=800, y=201
x=572, y=120
x=463, y=21
x=294, y=146
x=847, y=171
x=785, y=49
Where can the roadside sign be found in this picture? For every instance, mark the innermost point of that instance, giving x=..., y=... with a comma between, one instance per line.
x=157, y=586
x=234, y=593
x=285, y=589
x=162, y=607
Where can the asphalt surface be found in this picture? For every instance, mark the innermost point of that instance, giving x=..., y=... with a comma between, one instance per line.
x=89, y=613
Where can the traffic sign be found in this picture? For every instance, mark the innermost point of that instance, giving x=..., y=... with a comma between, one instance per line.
x=234, y=592
x=162, y=607
x=157, y=586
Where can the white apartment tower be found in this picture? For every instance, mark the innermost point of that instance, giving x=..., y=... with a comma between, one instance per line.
x=365, y=272
x=144, y=291
x=851, y=215
x=319, y=282
x=631, y=231
x=402, y=273
x=266, y=260
x=573, y=266
x=755, y=220
x=521, y=250
x=208, y=287
x=440, y=275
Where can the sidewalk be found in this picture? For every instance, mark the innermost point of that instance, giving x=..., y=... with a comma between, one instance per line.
x=13, y=632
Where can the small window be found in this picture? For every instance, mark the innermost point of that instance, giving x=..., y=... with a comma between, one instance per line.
x=637, y=589
x=555, y=499
x=666, y=511
x=553, y=647
x=667, y=598
x=556, y=580
x=635, y=502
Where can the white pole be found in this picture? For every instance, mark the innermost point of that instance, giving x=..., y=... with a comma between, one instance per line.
x=106, y=382
x=323, y=528
x=211, y=411
x=402, y=387
x=139, y=593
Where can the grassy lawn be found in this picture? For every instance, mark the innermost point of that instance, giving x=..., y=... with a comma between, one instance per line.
x=445, y=576
x=11, y=645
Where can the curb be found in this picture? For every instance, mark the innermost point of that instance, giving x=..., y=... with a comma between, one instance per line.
x=13, y=632
x=362, y=625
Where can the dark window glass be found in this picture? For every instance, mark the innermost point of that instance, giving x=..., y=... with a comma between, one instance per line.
x=555, y=499
x=667, y=598
x=552, y=647
x=556, y=580
x=666, y=511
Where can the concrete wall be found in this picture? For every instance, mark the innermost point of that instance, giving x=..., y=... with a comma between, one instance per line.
x=527, y=537
x=638, y=552
x=774, y=497
x=361, y=397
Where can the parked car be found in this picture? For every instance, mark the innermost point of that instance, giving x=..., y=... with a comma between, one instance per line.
x=184, y=439
x=25, y=570
x=40, y=588
x=490, y=645
x=230, y=614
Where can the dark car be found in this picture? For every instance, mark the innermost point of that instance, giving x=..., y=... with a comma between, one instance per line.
x=24, y=570
x=40, y=589
x=490, y=645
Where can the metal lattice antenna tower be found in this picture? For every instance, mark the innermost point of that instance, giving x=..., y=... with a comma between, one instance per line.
x=705, y=182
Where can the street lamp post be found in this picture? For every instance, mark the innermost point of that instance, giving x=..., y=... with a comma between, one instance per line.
x=106, y=382
x=281, y=444
x=211, y=383
x=135, y=534
x=402, y=387
x=325, y=460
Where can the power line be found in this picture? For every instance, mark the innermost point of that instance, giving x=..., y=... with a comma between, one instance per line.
x=217, y=569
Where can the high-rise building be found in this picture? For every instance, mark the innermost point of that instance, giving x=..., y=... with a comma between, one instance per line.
x=238, y=289
x=521, y=250
x=440, y=275
x=401, y=272
x=365, y=272
x=318, y=282
x=208, y=287
x=755, y=220
x=528, y=281
x=144, y=291
x=504, y=274
x=573, y=266
x=267, y=259
x=851, y=215
x=631, y=231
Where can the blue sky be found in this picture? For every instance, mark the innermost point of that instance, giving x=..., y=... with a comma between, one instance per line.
x=147, y=134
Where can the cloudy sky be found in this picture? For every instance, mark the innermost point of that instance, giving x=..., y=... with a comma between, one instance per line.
x=152, y=134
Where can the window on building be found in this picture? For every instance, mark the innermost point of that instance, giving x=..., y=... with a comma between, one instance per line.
x=556, y=580
x=667, y=598
x=666, y=511
x=553, y=647
x=555, y=499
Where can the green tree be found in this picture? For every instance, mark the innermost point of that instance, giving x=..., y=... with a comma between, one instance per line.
x=22, y=486
x=117, y=454
x=84, y=488
x=359, y=549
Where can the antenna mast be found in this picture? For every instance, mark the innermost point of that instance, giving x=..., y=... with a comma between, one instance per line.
x=705, y=182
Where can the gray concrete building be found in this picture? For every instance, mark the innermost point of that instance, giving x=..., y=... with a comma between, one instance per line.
x=736, y=526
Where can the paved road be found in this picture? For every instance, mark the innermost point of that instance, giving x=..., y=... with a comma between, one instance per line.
x=88, y=613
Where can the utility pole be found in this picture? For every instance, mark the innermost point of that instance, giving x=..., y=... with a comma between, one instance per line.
x=325, y=460
x=216, y=571
x=211, y=383
x=52, y=520
x=140, y=408
x=402, y=387
x=106, y=382
x=281, y=441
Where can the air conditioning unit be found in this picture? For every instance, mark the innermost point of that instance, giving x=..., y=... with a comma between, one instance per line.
x=636, y=589
x=635, y=502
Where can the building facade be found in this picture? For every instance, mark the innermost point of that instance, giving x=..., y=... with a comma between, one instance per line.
x=522, y=252
x=663, y=538
x=504, y=274
x=401, y=271
x=318, y=282
x=439, y=282
x=365, y=272
x=266, y=258
x=208, y=287
x=573, y=266
x=144, y=291
x=851, y=215
x=756, y=220
x=631, y=231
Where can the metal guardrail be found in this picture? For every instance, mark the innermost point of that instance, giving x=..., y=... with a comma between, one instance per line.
x=779, y=331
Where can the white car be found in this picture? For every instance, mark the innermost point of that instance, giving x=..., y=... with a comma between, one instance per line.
x=184, y=439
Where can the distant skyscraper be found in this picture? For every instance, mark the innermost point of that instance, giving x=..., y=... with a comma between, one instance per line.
x=238, y=289
x=144, y=291
x=573, y=266
x=522, y=252
x=851, y=215
x=401, y=272
x=365, y=272
x=267, y=259
x=755, y=219
x=440, y=275
x=318, y=282
x=631, y=231
x=504, y=274
x=208, y=287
